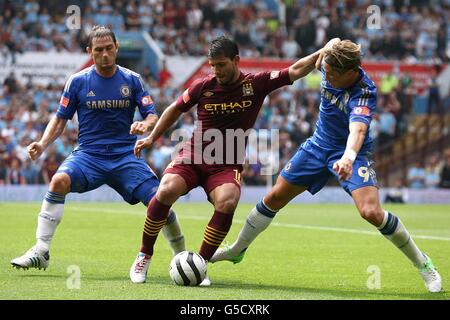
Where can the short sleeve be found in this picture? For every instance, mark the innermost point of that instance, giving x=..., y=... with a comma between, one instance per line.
x=190, y=96
x=272, y=80
x=363, y=105
x=68, y=102
x=142, y=98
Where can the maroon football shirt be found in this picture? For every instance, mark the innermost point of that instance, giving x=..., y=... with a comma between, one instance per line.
x=223, y=107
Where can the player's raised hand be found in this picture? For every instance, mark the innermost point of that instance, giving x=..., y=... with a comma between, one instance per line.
x=35, y=150
x=138, y=127
x=140, y=145
x=331, y=43
x=322, y=53
x=344, y=168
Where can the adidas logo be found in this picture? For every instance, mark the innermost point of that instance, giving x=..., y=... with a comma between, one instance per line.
x=91, y=94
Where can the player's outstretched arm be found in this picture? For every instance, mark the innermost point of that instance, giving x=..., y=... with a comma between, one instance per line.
x=355, y=140
x=322, y=51
x=168, y=118
x=54, y=129
x=305, y=65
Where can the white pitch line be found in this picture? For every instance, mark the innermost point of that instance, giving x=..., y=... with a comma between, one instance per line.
x=372, y=233
x=275, y=224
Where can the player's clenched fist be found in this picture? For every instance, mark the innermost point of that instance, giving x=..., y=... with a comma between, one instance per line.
x=343, y=168
x=35, y=150
x=140, y=145
x=138, y=127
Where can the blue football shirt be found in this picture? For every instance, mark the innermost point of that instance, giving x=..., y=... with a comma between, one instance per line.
x=339, y=107
x=105, y=108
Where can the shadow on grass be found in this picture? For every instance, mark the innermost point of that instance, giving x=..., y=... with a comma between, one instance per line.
x=242, y=288
x=164, y=281
x=337, y=293
x=43, y=275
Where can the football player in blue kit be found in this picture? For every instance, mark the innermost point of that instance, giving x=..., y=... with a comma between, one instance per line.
x=105, y=97
x=339, y=147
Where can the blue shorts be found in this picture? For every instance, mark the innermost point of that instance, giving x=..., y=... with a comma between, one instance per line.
x=312, y=167
x=132, y=178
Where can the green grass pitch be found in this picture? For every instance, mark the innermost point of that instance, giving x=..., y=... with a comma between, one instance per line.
x=313, y=252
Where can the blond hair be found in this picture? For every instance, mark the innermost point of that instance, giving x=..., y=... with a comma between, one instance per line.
x=344, y=55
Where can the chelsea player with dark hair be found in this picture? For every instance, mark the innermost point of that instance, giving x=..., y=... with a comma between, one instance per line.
x=104, y=96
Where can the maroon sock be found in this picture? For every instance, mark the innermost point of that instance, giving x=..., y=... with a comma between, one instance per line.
x=157, y=213
x=215, y=232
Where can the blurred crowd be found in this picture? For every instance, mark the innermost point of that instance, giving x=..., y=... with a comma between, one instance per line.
x=406, y=30
x=434, y=173
x=262, y=28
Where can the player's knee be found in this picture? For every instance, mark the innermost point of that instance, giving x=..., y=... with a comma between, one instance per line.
x=226, y=205
x=372, y=214
x=167, y=193
x=60, y=183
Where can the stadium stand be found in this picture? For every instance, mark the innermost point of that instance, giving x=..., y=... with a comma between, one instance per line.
x=414, y=33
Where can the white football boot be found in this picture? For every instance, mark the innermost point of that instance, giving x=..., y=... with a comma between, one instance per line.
x=432, y=278
x=225, y=253
x=31, y=259
x=138, y=271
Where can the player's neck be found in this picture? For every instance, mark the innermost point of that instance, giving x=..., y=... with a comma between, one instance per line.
x=235, y=78
x=106, y=72
x=352, y=80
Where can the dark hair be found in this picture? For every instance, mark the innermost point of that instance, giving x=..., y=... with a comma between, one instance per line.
x=100, y=32
x=223, y=46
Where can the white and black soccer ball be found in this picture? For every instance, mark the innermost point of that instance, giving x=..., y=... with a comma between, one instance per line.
x=187, y=268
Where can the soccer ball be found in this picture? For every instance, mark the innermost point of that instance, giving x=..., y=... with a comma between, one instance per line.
x=187, y=268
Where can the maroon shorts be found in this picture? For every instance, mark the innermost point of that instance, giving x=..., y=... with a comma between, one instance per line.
x=208, y=176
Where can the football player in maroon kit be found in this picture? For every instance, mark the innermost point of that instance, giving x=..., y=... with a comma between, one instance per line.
x=227, y=99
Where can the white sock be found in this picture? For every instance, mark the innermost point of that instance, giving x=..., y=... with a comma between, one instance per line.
x=393, y=229
x=172, y=233
x=257, y=221
x=50, y=216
